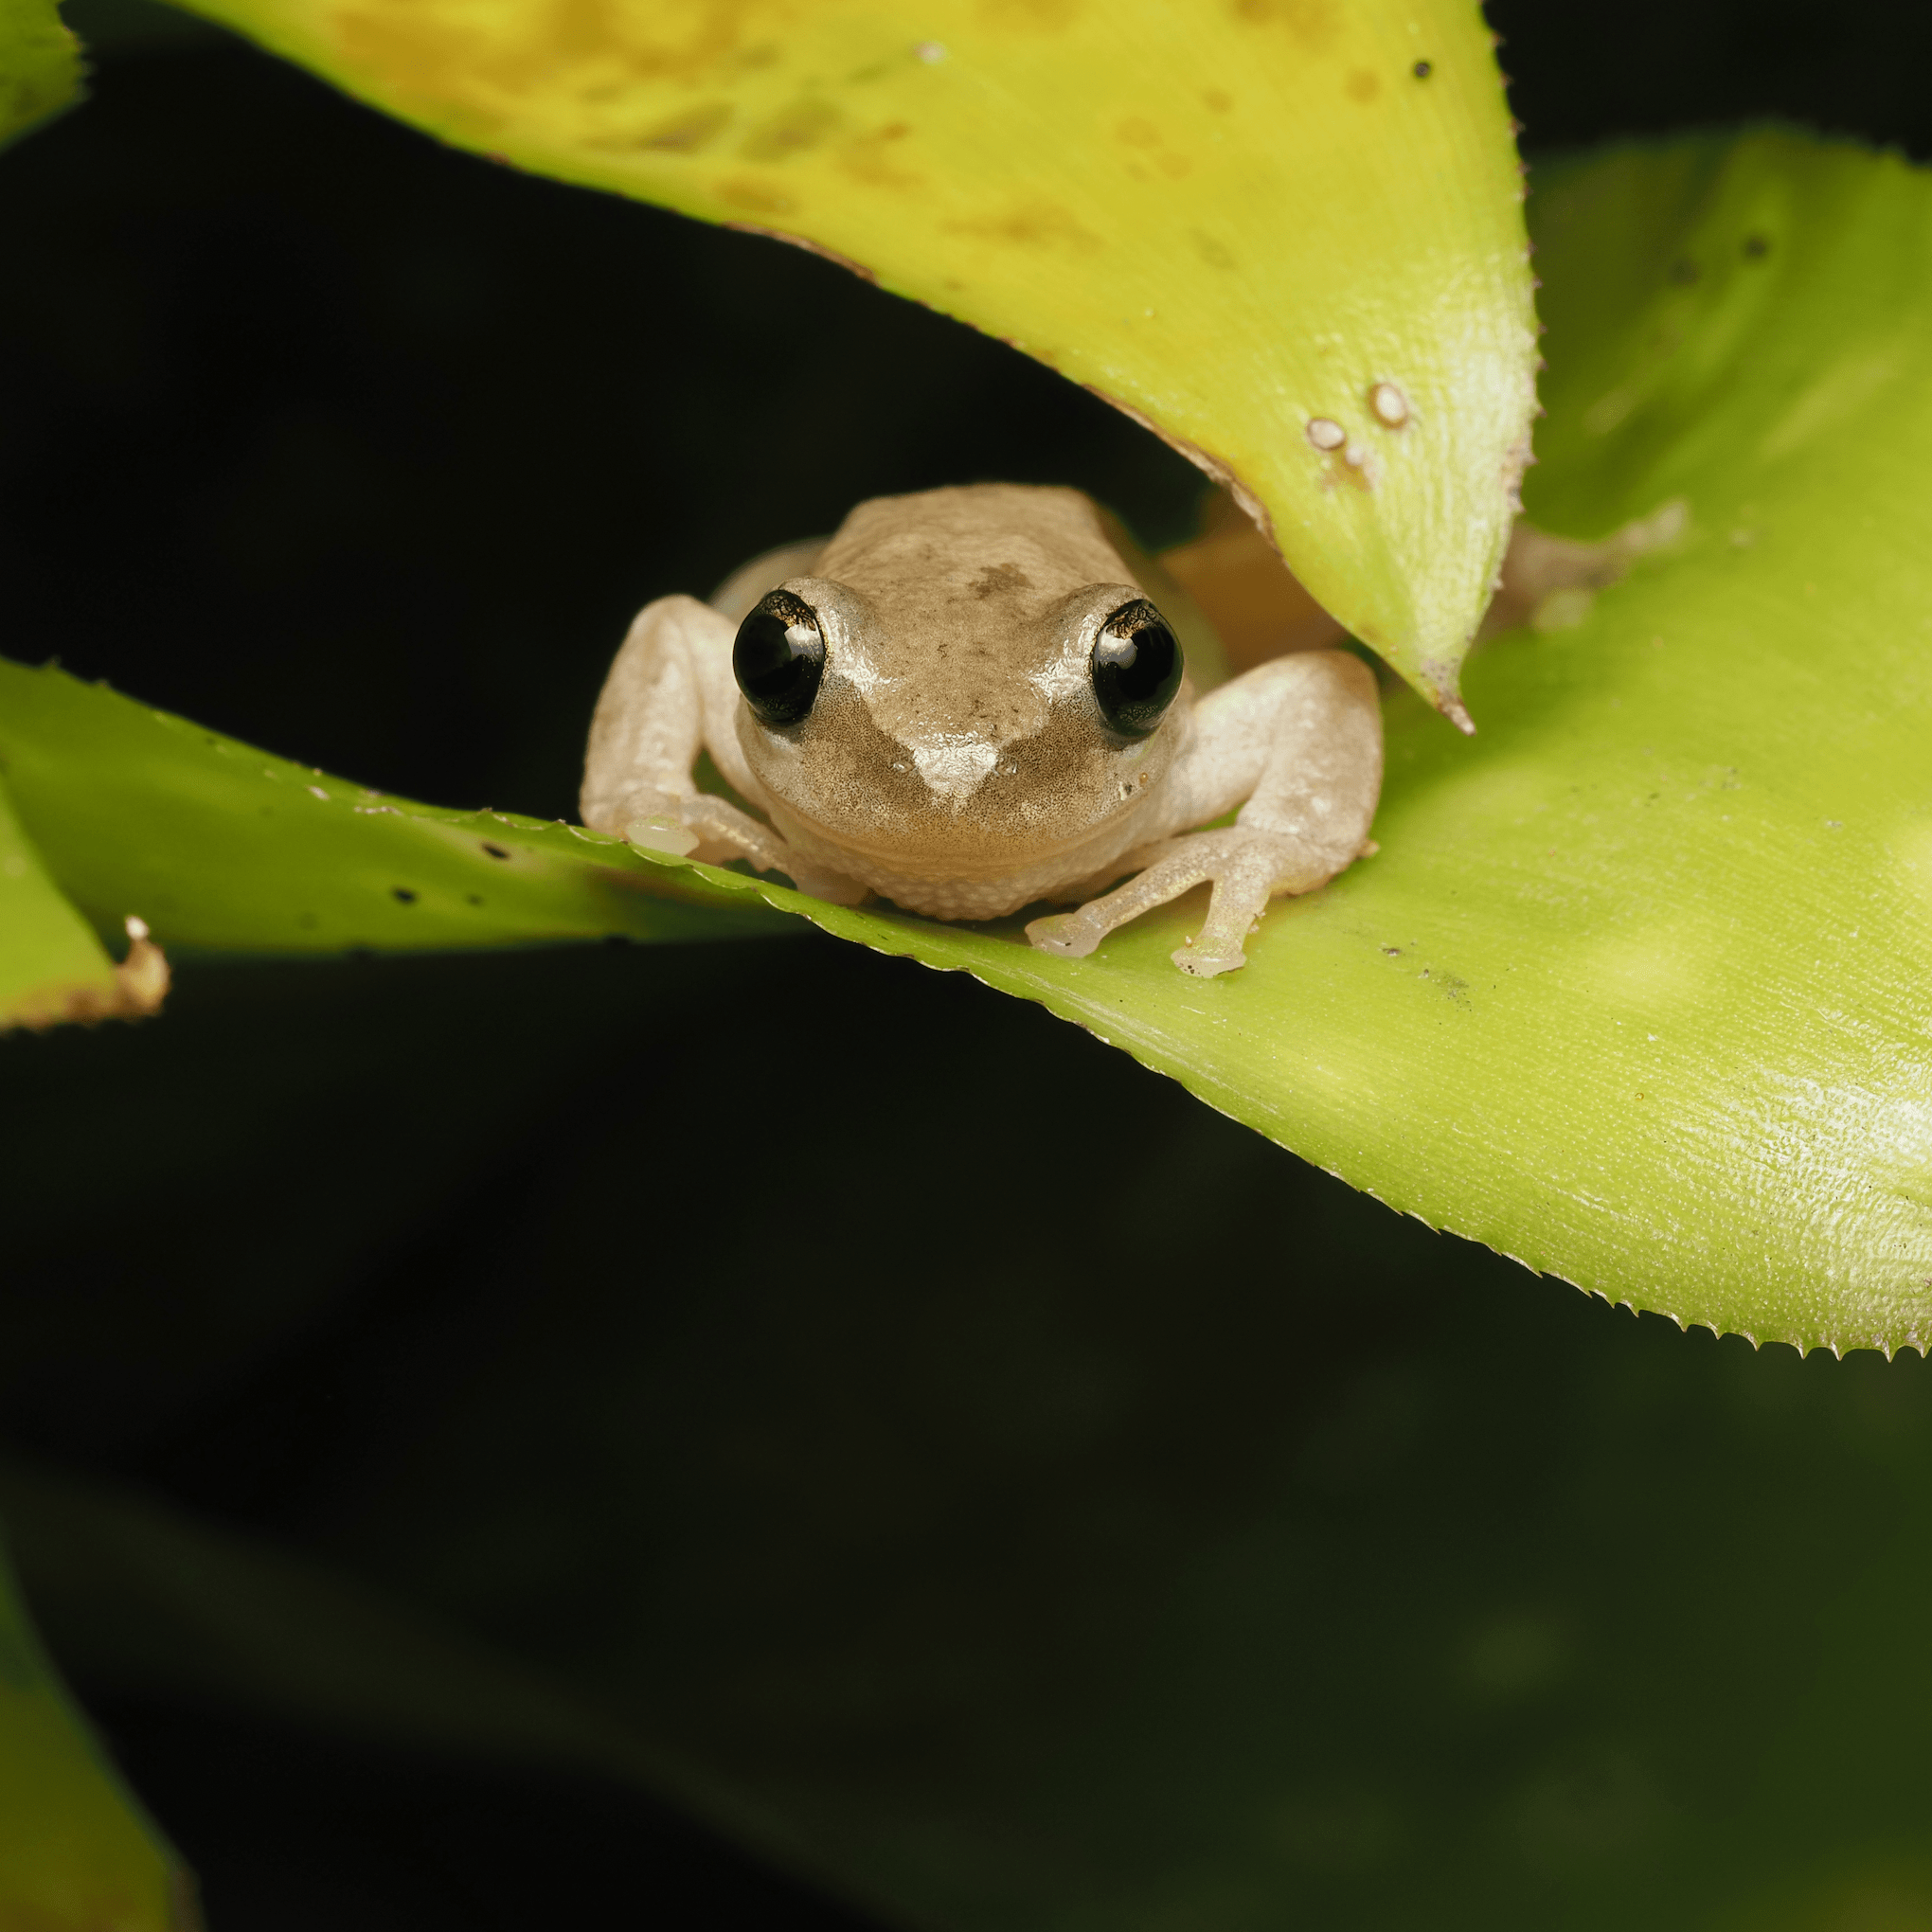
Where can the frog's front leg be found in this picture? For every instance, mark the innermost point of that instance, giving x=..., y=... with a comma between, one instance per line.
x=1301, y=739
x=670, y=693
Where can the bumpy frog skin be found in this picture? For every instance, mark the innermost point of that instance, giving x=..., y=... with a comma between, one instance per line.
x=956, y=758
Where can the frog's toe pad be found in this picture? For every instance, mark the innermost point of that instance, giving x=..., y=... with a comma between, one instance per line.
x=663, y=832
x=1205, y=963
x=1072, y=934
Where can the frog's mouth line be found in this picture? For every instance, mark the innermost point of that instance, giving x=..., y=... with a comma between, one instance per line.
x=918, y=859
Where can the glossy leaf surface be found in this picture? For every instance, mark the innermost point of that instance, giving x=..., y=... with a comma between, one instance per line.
x=1633, y=990
x=1234, y=220
x=75, y=1854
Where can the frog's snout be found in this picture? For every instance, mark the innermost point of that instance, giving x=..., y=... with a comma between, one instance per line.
x=954, y=764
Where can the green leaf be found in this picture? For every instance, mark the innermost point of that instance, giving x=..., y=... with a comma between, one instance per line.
x=76, y=1853
x=1636, y=990
x=39, y=66
x=51, y=966
x=220, y=847
x=1231, y=221
x=1633, y=990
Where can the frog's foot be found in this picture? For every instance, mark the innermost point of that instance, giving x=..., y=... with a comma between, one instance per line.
x=1248, y=867
x=700, y=826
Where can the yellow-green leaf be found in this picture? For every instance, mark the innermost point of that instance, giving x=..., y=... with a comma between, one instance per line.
x=39, y=66
x=1234, y=218
x=52, y=967
x=220, y=847
x=1634, y=990
x=76, y=1853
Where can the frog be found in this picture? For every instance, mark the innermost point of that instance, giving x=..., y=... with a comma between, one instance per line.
x=978, y=699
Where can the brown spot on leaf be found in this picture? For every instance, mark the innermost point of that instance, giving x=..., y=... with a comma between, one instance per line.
x=1312, y=21
x=873, y=158
x=1363, y=84
x=549, y=48
x=791, y=131
x=1029, y=224
x=744, y=192
x=688, y=133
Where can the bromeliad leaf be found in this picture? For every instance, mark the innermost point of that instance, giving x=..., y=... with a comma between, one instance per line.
x=1286, y=233
x=52, y=968
x=76, y=1853
x=221, y=847
x=39, y=66
x=1634, y=990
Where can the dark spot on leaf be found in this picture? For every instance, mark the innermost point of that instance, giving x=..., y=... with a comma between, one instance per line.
x=1683, y=271
x=802, y=124
x=404, y=893
x=476, y=898
x=1422, y=69
x=1757, y=247
x=682, y=133
x=496, y=852
x=1393, y=952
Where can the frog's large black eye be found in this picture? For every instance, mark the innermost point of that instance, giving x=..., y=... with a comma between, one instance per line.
x=778, y=658
x=1137, y=669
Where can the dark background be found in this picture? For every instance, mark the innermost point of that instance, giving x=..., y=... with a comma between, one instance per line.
x=366, y=451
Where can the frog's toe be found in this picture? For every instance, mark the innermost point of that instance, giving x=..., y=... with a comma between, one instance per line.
x=1072, y=934
x=1205, y=962
x=662, y=831
x=821, y=883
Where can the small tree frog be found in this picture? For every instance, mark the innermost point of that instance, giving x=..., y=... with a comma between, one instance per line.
x=969, y=701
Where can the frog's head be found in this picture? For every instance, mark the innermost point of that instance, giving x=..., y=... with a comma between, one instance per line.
x=969, y=683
